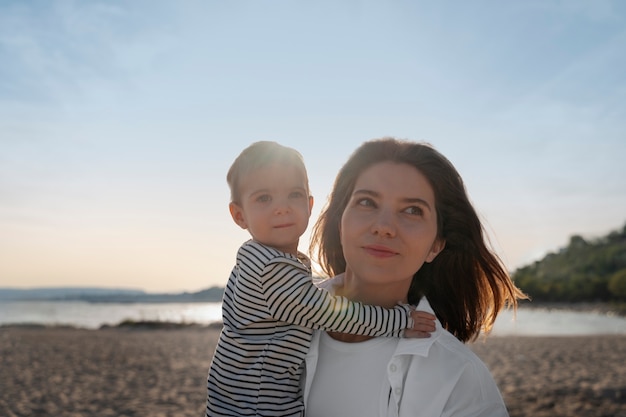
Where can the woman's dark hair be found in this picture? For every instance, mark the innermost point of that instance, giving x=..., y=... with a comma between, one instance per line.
x=466, y=284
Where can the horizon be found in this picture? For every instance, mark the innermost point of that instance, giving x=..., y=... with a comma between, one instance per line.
x=118, y=122
x=101, y=287
x=122, y=288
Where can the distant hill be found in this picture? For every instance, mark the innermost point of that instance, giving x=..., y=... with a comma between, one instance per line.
x=584, y=270
x=108, y=295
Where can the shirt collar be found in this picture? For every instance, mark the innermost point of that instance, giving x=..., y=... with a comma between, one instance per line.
x=415, y=346
x=406, y=346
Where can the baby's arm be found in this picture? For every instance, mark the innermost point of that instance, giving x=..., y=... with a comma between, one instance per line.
x=292, y=297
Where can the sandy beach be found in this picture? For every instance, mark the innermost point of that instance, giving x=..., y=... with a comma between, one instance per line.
x=162, y=372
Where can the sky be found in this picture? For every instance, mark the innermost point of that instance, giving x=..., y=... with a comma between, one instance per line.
x=119, y=120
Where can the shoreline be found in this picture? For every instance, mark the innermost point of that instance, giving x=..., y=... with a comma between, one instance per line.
x=599, y=307
x=613, y=310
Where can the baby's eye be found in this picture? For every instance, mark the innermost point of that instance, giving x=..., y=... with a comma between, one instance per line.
x=296, y=194
x=415, y=210
x=264, y=198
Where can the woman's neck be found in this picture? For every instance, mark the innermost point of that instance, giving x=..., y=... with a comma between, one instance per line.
x=386, y=295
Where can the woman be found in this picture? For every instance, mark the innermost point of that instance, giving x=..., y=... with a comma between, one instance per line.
x=399, y=227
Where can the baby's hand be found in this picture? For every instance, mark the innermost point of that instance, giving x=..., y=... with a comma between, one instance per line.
x=423, y=325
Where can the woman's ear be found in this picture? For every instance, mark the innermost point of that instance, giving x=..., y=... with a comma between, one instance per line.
x=237, y=213
x=435, y=249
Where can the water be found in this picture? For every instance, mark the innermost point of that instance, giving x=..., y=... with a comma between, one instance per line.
x=93, y=315
x=529, y=322
x=551, y=322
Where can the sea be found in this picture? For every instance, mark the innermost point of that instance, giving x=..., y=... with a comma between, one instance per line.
x=526, y=322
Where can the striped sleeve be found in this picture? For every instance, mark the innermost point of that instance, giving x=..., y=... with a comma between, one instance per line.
x=291, y=296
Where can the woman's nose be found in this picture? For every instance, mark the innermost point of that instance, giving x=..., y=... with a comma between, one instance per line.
x=384, y=224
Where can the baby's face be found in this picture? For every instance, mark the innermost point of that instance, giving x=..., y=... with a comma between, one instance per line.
x=275, y=205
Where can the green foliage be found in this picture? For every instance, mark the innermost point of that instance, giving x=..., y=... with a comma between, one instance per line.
x=583, y=271
x=617, y=284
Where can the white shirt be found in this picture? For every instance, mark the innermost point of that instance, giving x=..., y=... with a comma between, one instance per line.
x=436, y=376
x=349, y=377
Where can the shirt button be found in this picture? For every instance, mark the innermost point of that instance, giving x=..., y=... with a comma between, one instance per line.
x=398, y=391
x=393, y=368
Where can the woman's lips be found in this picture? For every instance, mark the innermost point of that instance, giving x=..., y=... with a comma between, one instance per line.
x=379, y=251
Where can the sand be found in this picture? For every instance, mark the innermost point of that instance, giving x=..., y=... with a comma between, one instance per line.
x=559, y=376
x=122, y=372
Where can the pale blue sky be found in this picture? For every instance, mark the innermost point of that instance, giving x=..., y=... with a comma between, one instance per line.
x=119, y=120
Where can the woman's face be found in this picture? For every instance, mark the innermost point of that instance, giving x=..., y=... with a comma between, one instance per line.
x=389, y=227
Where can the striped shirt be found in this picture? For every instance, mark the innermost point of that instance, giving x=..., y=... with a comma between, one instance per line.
x=270, y=309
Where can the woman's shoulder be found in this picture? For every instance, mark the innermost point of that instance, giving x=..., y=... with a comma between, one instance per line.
x=466, y=379
x=329, y=284
x=454, y=354
x=448, y=347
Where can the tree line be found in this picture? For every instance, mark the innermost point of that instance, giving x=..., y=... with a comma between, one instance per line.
x=584, y=270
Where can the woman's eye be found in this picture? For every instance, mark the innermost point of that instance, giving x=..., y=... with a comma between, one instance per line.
x=365, y=202
x=415, y=210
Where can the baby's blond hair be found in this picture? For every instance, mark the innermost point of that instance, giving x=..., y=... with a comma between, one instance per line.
x=259, y=155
